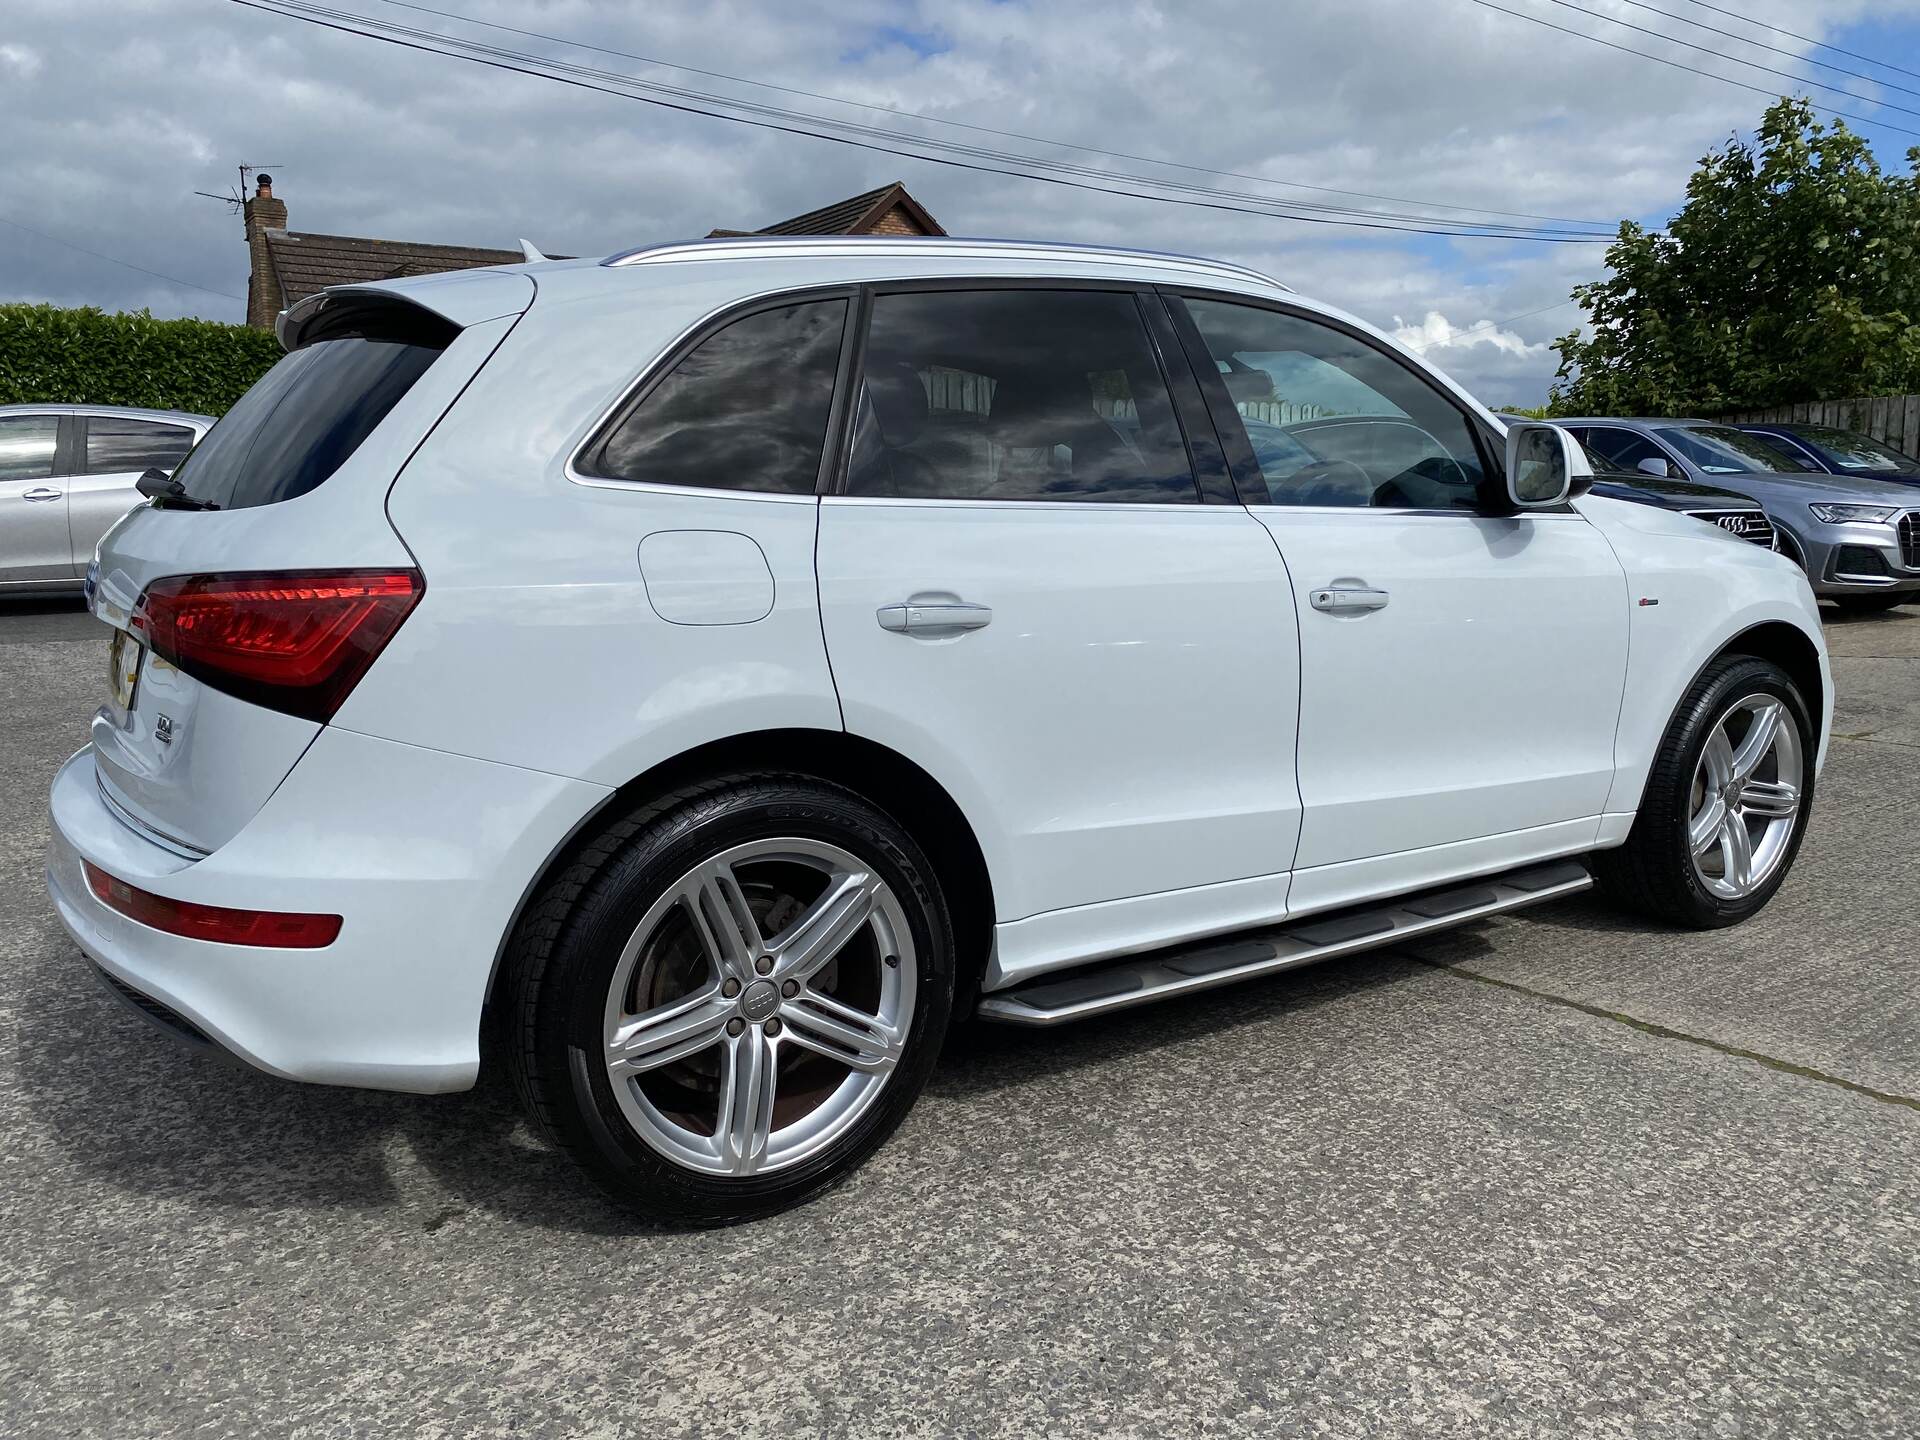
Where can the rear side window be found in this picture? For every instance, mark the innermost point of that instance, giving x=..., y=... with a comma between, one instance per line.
x=1016, y=395
x=746, y=409
x=27, y=445
x=115, y=444
x=308, y=414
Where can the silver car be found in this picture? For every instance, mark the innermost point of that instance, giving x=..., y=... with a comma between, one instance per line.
x=67, y=472
x=1857, y=539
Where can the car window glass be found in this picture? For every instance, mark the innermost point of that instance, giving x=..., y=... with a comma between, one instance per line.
x=1722, y=450
x=1333, y=420
x=27, y=444
x=745, y=410
x=116, y=444
x=1623, y=447
x=1857, y=453
x=1015, y=395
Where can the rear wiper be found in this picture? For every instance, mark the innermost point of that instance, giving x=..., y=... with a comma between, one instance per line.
x=168, y=493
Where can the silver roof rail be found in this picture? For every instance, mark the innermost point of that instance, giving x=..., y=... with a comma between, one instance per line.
x=949, y=247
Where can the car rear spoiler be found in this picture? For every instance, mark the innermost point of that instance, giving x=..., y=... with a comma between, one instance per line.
x=460, y=297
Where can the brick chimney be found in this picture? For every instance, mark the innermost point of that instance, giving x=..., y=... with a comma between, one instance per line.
x=263, y=213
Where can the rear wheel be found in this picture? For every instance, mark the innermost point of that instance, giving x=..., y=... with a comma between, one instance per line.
x=1880, y=600
x=1726, y=804
x=732, y=997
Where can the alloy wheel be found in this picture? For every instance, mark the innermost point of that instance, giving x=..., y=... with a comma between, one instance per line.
x=1746, y=796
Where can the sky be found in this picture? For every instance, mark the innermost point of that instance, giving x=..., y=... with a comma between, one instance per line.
x=116, y=111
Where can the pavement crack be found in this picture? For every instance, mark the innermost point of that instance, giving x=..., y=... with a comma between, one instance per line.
x=1664, y=1032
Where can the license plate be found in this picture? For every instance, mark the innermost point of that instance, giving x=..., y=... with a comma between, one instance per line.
x=124, y=654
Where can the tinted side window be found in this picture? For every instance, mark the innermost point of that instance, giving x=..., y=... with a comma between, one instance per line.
x=1016, y=395
x=1332, y=420
x=746, y=410
x=27, y=445
x=1623, y=447
x=302, y=420
x=115, y=444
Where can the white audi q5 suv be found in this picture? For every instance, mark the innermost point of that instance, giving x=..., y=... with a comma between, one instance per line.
x=714, y=670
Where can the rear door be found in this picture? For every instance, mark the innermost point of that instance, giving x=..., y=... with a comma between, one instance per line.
x=33, y=501
x=113, y=452
x=1023, y=590
x=1461, y=673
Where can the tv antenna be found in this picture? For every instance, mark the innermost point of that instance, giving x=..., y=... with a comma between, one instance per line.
x=236, y=199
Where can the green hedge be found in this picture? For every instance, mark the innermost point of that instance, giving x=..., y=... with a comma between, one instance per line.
x=49, y=355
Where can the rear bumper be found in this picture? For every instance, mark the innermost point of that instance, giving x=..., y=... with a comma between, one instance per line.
x=426, y=855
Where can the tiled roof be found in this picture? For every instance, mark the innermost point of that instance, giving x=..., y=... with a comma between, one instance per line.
x=308, y=263
x=856, y=215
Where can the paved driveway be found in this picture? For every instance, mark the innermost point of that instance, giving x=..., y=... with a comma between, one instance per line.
x=1554, y=1175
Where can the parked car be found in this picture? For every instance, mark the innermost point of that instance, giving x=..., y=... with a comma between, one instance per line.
x=67, y=472
x=1858, y=539
x=1733, y=512
x=718, y=667
x=1840, y=452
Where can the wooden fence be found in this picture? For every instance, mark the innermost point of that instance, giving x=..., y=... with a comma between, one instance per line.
x=1891, y=419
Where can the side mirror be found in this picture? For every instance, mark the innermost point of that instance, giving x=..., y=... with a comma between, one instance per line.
x=1655, y=466
x=1545, y=465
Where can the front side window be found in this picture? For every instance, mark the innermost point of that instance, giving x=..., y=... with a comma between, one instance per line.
x=1016, y=395
x=115, y=445
x=1723, y=450
x=746, y=409
x=27, y=445
x=1856, y=454
x=1623, y=447
x=1333, y=421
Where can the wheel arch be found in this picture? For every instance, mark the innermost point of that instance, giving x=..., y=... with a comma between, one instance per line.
x=1787, y=646
x=879, y=775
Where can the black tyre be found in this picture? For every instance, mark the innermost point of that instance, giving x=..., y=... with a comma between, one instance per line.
x=1879, y=600
x=731, y=997
x=1726, y=804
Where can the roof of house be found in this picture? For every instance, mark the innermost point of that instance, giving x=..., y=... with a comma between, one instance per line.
x=856, y=215
x=307, y=263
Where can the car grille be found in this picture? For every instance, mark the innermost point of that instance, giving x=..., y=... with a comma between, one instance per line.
x=1747, y=524
x=1910, y=539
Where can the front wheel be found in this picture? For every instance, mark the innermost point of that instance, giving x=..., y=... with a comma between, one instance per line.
x=1726, y=803
x=732, y=997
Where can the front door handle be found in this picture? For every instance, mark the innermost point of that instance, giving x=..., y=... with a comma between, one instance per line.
x=942, y=619
x=41, y=492
x=1340, y=599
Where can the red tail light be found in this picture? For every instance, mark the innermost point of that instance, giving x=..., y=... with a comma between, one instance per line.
x=279, y=929
x=294, y=641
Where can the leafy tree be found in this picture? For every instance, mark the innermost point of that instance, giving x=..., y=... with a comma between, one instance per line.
x=1791, y=273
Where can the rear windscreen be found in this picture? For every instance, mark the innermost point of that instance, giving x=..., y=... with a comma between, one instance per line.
x=310, y=412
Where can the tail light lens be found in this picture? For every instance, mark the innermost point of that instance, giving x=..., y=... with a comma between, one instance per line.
x=278, y=929
x=296, y=642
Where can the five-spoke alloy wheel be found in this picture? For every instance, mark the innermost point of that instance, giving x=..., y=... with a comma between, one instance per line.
x=733, y=996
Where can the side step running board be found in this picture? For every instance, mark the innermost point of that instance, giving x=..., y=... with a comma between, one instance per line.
x=1142, y=979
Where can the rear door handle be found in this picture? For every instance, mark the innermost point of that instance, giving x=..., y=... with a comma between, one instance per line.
x=1336, y=599
x=945, y=619
x=41, y=492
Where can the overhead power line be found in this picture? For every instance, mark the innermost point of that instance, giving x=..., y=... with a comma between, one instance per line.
x=123, y=264
x=816, y=127
x=1807, y=39
x=1733, y=59
x=1749, y=40
x=1677, y=65
x=981, y=129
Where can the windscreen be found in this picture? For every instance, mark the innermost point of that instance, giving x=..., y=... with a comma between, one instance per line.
x=1722, y=450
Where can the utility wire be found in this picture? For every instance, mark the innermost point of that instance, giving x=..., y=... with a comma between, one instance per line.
x=1749, y=40
x=1733, y=59
x=1807, y=39
x=1270, y=205
x=1677, y=65
x=795, y=124
x=123, y=264
x=979, y=129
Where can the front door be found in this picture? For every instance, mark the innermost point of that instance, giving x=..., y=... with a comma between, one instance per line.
x=33, y=502
x=1461, y=674
x=1023, y=592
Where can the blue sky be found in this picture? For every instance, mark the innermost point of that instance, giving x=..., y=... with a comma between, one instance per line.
x=1427, y=101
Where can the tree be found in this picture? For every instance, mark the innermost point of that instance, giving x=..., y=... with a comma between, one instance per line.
x=1791, y=273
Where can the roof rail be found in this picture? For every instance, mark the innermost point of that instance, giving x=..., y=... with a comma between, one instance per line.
x=760, y=247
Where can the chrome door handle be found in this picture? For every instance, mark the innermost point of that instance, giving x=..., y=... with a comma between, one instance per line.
x=41, y=492
x=932, y=619
x=1335, y=599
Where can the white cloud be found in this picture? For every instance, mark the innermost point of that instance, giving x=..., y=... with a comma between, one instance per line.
x=20, y=60
x=1437, y=333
